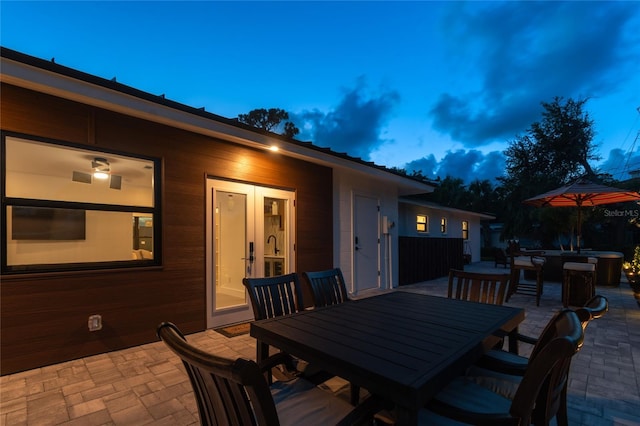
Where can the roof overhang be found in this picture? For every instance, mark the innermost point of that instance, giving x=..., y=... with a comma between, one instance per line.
x=49, y=78
x=482, y=216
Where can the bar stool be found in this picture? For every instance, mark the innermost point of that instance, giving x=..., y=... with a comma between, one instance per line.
x=523, y=261
x=577, y=292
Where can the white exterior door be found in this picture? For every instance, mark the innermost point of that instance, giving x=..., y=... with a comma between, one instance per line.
x=248, y=235
x=366, y=250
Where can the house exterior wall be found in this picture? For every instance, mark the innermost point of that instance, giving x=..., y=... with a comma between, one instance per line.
x=346, y=185
x=43, y=316
x=407, y=226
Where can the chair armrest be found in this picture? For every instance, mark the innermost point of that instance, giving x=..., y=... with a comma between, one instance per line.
x=280, y=358
x=507, y=362
x=458, y=414
x=531, y=253
x=503, y=362
x=526, y=339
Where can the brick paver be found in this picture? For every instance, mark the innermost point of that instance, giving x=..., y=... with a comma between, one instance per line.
x=147, y=384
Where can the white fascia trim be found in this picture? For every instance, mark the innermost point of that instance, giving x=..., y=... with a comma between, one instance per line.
x=40, y=80
x=446, y=209
x=37, y=79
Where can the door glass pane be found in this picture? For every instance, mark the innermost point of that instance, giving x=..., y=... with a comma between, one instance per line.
x=275, y=238
x=230, y=253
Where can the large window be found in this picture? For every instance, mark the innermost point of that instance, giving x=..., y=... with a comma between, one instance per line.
x=67, y=207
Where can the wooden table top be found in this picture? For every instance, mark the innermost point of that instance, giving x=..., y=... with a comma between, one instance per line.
x=400, y=345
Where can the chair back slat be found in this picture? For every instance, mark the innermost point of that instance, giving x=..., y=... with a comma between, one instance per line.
x=228, y=392
x=477, y=287
x=274, y=296
x=327, y=287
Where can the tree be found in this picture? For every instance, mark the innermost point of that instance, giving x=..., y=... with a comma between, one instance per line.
x=553, y=152
x=270, y=120
x=451, y=192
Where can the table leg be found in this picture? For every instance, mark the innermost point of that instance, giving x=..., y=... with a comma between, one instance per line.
x=406, y=416
x=262, y=353
x=513, y=341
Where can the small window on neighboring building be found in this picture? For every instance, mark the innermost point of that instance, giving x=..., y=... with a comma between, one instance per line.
x=443, y=225
x=422, y=223
x=465, y=230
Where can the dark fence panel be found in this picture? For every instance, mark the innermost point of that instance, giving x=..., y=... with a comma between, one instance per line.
x=423, y=259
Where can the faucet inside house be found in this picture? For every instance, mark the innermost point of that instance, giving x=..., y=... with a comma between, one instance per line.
x=275, y=244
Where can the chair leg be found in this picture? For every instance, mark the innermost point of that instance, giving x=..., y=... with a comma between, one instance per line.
x=513, y=283
x=355, y=394
x=561, y=417
x=539, y=286
x=566, y=283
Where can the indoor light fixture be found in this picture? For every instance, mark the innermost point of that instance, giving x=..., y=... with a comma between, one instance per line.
x=100, y=168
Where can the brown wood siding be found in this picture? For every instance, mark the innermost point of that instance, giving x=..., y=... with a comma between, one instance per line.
x=44, y=316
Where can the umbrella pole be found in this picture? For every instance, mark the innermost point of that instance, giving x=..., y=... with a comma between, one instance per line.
x=579, y=226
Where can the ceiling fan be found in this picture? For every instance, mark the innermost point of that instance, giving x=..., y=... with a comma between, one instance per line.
x=101, y=170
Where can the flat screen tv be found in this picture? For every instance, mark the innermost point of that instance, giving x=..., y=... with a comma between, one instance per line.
x=43, y=223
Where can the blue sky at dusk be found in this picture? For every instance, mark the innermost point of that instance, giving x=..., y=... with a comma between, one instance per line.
x=440, y=87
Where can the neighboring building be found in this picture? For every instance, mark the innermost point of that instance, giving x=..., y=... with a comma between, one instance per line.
x=432, y=228
x=188, y=203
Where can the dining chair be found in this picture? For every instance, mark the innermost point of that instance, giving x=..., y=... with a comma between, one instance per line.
x=536, y=398
x=235, y=392
x=513, y=363
x=477, y=286
x=508, y=368
x=273, y=297
x=327, y=287
x=500, y=257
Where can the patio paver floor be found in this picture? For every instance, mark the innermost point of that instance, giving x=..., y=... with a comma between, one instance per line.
x=147, y=384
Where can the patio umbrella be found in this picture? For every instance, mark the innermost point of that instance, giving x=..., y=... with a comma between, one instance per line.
x=582, y=193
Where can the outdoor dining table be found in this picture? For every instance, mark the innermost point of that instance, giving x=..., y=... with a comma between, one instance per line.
x=400, y=346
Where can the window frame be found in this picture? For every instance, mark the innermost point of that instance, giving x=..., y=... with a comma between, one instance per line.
x=465, y=230
x=422, y=223
x=155, y=211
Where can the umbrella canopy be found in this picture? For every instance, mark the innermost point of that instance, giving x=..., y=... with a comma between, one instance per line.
x=582, y=193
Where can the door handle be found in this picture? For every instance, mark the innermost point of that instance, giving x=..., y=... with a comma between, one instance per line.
x=251, y=258
x=356, y=246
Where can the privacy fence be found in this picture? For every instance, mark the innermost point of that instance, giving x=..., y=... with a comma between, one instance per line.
x=423, y=259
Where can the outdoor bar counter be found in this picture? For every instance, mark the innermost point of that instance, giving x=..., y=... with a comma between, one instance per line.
x=609, y=266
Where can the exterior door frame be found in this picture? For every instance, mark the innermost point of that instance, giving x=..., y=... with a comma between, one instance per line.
x=255, y=230
x=372, y=236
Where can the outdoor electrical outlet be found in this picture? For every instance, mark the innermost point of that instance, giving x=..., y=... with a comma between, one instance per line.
x=95, y=322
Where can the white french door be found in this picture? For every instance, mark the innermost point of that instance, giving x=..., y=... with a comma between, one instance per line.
x=249, y=234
